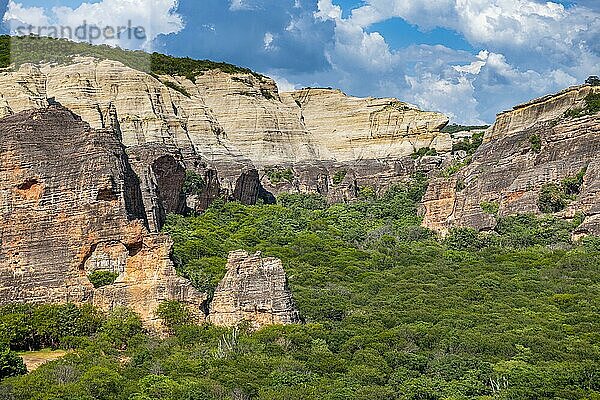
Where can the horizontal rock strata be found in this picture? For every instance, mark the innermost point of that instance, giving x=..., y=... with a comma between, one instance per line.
x=510, y=169
x=71, y=204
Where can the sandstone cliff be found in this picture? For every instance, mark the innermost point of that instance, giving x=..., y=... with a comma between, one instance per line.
x=70, y=205
x=231, y=128
x=254, y=290
x=536, y=144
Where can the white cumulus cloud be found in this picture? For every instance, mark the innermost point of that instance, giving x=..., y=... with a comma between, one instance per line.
x=151, y=17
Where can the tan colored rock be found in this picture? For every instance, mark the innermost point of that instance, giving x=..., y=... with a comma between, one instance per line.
x=348, y=128
x=70, y=204
x=254, y=290
x=262, y=127
x=543, y=109
x=141, y=108
x=506, y=170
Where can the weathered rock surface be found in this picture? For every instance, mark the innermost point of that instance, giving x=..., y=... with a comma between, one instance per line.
x=254, y=290
x=348, y=129
x=71, y=204
x=140, y=107
x=509, y=171
x=225, y=127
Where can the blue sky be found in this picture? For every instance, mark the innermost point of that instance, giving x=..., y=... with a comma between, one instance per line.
x=467, y=58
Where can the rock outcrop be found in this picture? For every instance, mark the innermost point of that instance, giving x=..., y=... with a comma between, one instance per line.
x=231, y=128
x=350, y=129
x=71, y=204
x=253, y=290
x=533, y=145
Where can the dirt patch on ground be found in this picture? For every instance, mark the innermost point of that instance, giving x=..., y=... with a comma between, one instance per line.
x=34, y=359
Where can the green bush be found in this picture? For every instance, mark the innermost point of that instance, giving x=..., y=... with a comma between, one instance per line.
x=424, y=151
x=339, y=176
x=177, y=88
x=490, y=207
x=469, y=145
x=193, y=184
x=555, y=197
x=278, y=175
x=552, y=198
x=102, y=278
x=10, y=363
x=536, y=143
x=174, y=314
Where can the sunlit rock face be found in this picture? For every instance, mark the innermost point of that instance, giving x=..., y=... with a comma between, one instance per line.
x=254, y=290
x=71, y=204
x=232, y=128
x=509, y=169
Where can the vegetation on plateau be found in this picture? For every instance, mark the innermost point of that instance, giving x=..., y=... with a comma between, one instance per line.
x=32, y=49
x=391, y=313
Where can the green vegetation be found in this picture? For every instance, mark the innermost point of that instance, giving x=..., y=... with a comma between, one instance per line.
x=455, y=128
x=555, y=197
x=19, y=50
x=536, y=143
x=339, y=176
x=592, y=106
x=424, y=151
x=278, y=175
x=102, y=278
x=10, y=363
x=456, y=166
x=490, y=207
x=176, y=87
x=193, y=184
x=469, y=145
x=391, y=313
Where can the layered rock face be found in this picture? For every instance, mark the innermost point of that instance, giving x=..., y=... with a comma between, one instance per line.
x=254, y=290
x=227, y=127
x=71, y=204
x=140, y=107
x=510, y=168
x=349, y=129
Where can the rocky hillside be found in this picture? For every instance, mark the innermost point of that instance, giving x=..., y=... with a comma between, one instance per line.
x=540, y=157
x=229, y=125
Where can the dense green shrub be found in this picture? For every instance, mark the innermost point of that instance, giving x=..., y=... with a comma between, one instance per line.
x=391, y=312
x=424, y=151
x=193, y=184
x=536, y=143
x=469, y=145
x=555, y=197
x=278, y=175
x=490, y=207
x=10, y=363
x=102, y=278
x=174, y=314
x=339, y=176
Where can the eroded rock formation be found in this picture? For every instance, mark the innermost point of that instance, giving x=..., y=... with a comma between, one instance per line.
x=71, y=204
x=528, y=147
x=231, y=128
x=254, y=290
